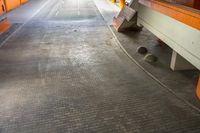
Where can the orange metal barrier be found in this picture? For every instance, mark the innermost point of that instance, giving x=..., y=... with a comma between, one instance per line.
x=10, y=4
x=198, y=88
x=2, y=7
x=190, y=3
x=183, y=14
x=122, y=3
x=23, y=1
x=182, y=2
x=4, y=25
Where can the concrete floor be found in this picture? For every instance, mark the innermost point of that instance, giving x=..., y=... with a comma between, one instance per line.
x=183, y=83
x=63, y=72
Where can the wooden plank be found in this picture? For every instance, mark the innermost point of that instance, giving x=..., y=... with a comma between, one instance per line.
x=126, y=20
x=183, y=14
x=129, y=13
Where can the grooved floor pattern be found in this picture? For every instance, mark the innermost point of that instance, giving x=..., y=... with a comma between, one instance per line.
x=68, y=75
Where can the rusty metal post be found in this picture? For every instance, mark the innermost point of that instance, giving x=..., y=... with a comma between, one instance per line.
x=122, y=3
x=198, y=88
x=113, y=1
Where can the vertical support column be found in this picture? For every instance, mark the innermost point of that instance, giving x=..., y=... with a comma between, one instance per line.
x=198, y=88
x=113, y=1
x=122, y=3
x=179, y=63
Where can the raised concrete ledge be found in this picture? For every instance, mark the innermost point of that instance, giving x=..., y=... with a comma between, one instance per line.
x=180, y=37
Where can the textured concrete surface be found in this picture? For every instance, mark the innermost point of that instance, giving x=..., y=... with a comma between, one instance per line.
x=24, y=12
x=63, y=72
x=183, y=83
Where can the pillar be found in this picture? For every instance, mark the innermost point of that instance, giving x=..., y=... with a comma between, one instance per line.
x=198, y=88
x=122, y=3
x=179, y=63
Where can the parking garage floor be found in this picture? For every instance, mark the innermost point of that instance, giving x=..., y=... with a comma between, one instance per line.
x=62, y=71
